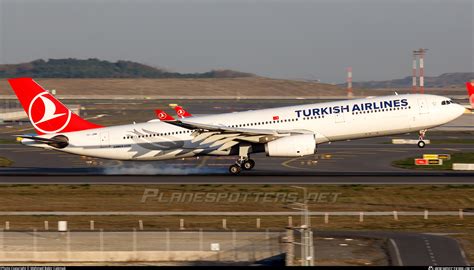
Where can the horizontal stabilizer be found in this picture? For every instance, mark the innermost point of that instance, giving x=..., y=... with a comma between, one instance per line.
x=59, y=141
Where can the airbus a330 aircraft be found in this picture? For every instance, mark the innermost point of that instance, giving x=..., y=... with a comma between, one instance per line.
x=291, y=131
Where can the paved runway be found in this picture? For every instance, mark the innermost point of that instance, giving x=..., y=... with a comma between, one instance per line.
x=364, y=161
x=414, y=249
x=241, y=179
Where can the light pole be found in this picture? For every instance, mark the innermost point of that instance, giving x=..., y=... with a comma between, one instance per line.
x=307, y=248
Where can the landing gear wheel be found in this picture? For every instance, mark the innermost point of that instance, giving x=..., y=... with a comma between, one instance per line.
x=421, y=137
x=421, y=144
x=248, y=164
x=235, y=169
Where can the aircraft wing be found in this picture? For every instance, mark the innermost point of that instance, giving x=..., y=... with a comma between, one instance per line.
x=249, y=131
x=218, y=134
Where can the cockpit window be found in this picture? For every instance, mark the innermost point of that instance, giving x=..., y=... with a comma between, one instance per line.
x=446, y=102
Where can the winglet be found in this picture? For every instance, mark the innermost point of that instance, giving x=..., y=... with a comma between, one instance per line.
x=182, y=113
x=163, y=116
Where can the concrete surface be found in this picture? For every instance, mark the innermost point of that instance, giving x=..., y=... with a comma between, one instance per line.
x=390, y=248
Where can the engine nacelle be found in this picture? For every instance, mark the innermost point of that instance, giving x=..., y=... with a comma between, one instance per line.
x=292, y=146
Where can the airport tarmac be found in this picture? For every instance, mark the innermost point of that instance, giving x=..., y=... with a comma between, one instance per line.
x=400, y=248
x=360, y=161
x=365, y=161
x=414, y=248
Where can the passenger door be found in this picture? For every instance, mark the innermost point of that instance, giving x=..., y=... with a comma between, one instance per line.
x=339, y=118
x=104, y=139
x=423, y=106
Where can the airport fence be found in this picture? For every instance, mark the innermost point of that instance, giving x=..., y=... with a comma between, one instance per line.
x=259, y=217
x=134, y=245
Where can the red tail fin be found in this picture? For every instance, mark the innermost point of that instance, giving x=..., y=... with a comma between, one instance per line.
x=163, y=116
x=181, y=112
x=470, y=92
x=46, y=113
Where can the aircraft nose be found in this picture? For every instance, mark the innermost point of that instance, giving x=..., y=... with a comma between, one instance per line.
x=459, y=110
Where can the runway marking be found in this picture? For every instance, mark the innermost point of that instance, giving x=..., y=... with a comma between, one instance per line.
x=346, y=155
x=229, y=157
x=203, y=162
x=216, y=164
x=27, y=151
x=285, y=163
x=405, y=148
x=119, y=162
x=452, y=149
x=390, y=151
x=18, y=130
x=358, y=153
x=397, y=252
x=20, y=148
x=463, y=255
x=430, y=251
x=366, y=153
x=234, y=182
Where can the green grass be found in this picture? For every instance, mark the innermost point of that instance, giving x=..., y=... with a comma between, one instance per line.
x=409, y=163
x=8, y=141
x=5, y=162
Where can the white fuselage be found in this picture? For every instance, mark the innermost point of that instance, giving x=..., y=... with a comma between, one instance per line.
x=329, y=121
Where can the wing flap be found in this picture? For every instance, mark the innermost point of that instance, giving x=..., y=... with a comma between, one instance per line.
x=216, y=134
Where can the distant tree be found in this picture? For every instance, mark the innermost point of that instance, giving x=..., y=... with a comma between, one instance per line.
x=96, y=68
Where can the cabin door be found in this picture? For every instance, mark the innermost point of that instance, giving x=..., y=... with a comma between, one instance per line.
x=104, y=139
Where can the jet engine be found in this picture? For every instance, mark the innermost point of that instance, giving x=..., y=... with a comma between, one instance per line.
x=292, y=146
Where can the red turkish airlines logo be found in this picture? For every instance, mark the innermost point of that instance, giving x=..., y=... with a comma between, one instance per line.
x=180, y=112
x=47, y=114
x=162, y=115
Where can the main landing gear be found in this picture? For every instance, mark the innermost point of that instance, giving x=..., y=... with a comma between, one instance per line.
x=244, y=162
x=240, y=165
x=421, y=137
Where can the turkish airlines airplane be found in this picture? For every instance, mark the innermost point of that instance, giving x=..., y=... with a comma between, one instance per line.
x=291, y=131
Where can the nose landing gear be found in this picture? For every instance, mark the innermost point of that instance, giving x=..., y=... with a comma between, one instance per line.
x=421, y=137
